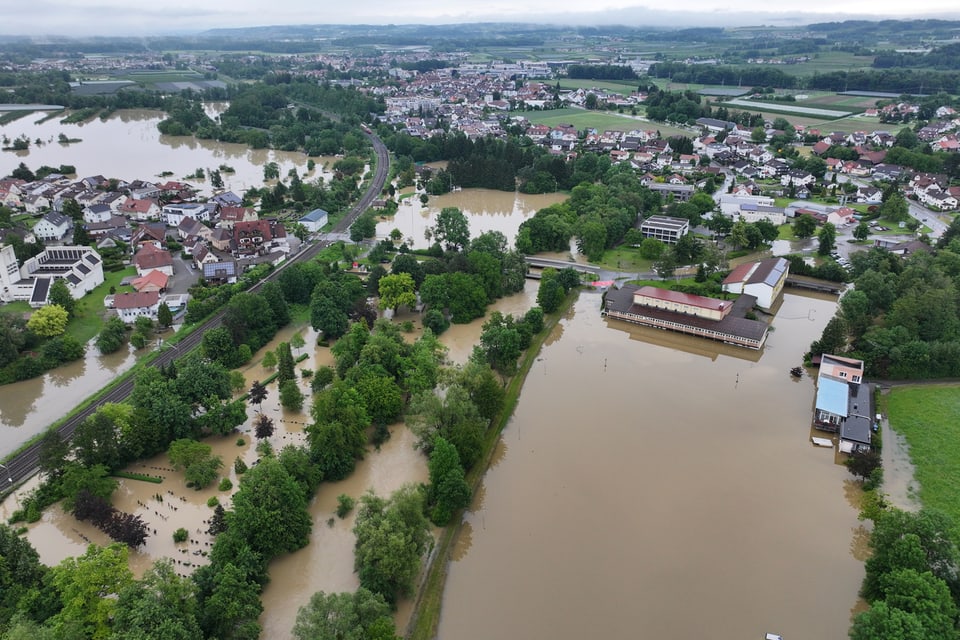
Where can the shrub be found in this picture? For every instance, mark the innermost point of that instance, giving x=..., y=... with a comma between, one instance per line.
x=225, y=485
x=213, y=502
x=345, y=505
x=180, y=535
x=239, y=466
x=241, y=442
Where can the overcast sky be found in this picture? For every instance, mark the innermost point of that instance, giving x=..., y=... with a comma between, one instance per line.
x=145, y=17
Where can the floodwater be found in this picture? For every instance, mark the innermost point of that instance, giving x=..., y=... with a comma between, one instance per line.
x=486, y=210
x=30, y=406
x=128, y=146
x=652, y=485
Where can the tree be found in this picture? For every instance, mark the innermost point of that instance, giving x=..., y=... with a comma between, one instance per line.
x=895, y=209
x=196, y=459
x=164, y=315
x=257, y=393
x=285, y=364
x=269, y=361
x=110, y=338
x=500, y=343
x=233, y=606
x=804, y=226
x=448, y=490
x=60, y=295
x=161, y=606
x=52, y=454
x=883, y=621
x=861, y=232
x=270, y=510
x=89, y=586
x=550, y=293
x=827, y=237
x=361, y=615
x=863, y=464
x=392, y=536
x=297, y=341
x=397, y=289
x=452, y=229
x=290, y=395
x=48, y=321
x=666, y=265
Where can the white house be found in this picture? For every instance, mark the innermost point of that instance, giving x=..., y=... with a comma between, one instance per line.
x=173, y=214
x=97, y=213
x=130, y=306
x=149, y=257
x=764, y=280
x=53, y=227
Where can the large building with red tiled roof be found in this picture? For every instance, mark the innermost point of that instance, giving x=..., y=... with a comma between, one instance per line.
x=722, y=320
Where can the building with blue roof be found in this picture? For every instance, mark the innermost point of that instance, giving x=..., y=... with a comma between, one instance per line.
x=315, y=220
x=764, y=280
x=844, y=402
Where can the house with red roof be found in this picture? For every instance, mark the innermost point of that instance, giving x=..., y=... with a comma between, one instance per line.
x=140, y=210
x=130, y=306
x=150, y=257
x=763, y=279
x=155, y=280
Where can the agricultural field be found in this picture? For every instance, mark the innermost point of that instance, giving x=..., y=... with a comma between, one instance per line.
x=836, y=101
x=622, y=87
x=792, y=108
x=600, y=120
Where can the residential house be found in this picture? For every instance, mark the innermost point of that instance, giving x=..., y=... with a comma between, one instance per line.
x=764, y=280
x=221, y=238
x=680, y=192
x=115, y=226
x=844, y=402
x=202, y=256
x=173, y=214
x=220, y=272
x=229, y=216
x=35, y=203
x=97, y=213
x=798, y=177
x=155, y=280
x=869, y=195
x=130, y=306
x=259, y=237
x=53, y=227
x=841, y=216
x=149, y=257
x=190, y=228
x=140, y=209
x=154, y=233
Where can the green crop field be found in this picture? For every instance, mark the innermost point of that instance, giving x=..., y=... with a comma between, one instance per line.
x=929, y=418
x=600, y=120
x=624, y=88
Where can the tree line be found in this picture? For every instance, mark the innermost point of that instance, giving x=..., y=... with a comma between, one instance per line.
x=902, y=316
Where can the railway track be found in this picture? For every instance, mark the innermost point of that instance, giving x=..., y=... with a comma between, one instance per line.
x=25, y=463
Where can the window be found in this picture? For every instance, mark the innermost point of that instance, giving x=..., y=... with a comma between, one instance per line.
x=856, y=379
x=843, y=374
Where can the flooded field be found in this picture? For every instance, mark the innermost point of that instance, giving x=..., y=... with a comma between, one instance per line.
x=128, y=146
x=29, y=406
x=486, y=210
x=652, y=485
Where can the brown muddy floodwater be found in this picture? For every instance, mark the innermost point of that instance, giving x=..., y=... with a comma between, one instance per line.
x=652, y=485
x=486, y=210
x=30, y=406
x=128, y=146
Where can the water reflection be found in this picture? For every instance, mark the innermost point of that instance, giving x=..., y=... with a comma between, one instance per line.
x=127, y=145
x=29, y=406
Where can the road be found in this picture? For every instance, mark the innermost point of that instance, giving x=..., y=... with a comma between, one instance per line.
x=24, y=464
x=917, y=211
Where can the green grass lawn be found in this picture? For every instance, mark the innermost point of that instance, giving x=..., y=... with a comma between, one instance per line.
x=625, y=87
x=929, y=419
x=625, y=259
x=90, y=312
x=786, y=231
x=601, y=120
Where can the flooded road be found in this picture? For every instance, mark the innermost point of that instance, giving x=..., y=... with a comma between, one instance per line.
x=486, y=210
x=652, y=485
x=30, y=406
x=128, y=146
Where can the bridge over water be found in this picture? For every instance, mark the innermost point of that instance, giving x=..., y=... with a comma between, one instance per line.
x=544, y=263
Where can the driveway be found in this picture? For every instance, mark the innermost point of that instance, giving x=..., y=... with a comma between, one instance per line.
x=184, y=275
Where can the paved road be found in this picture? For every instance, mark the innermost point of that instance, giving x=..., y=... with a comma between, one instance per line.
x=24, y=464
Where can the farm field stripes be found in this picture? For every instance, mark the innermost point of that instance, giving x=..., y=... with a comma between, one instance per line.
x=787, y=108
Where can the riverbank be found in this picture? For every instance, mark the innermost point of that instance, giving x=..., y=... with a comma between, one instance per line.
x=425, y=618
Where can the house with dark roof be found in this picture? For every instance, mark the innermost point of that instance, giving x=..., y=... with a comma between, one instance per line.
x=53, y=227
x=80, y=268
x=764, y=280
x=220, y=272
